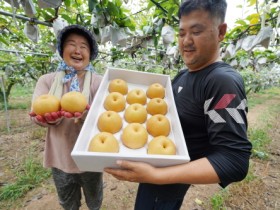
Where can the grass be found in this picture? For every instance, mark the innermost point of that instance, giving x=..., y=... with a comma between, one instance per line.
x=259, y=135
x=217, y=201
x=38, y=133
x=19, y=91
x=260, y=139
x=29, y=176
x=259, y=98
x=225, y=198
x=20, y=97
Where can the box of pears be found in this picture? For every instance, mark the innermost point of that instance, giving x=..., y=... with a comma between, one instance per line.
x=133, y=117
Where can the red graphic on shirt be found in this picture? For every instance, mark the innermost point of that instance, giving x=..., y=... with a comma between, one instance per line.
x=234, y=112
x=225, y=101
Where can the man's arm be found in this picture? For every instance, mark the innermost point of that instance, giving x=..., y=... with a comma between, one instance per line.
x=195, y=172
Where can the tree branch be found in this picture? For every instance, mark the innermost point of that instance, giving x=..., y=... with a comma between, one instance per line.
x=250, y=26
x=164, y=10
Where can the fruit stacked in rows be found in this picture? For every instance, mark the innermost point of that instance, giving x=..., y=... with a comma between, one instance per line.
x=135, y=134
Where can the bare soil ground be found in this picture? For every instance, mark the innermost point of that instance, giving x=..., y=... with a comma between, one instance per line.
x=260, y=193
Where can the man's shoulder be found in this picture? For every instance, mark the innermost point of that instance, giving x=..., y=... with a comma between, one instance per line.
x=221, y=69
x=221, y=66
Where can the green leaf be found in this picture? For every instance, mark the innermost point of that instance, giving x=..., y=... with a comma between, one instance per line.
x=104, y=2
x=241, y=22
x=90, y=5
x=113, y=9
x=67, y=3
x=2, y=21
x=252, y=2
x=118, y=3
x=93, y=5
x=171, y=11
x=47, y=14
x=155, y=40
x=3, y=41
x=67, y=18
x=128, y=23
x=150, y=5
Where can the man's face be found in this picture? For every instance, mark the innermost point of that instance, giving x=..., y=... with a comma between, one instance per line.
x=199, y=38
x=76, y=51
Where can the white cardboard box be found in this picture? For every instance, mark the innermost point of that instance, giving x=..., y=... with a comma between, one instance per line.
x=96, y=161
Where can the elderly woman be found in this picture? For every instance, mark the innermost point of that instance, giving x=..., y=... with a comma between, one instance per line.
x=77, y=47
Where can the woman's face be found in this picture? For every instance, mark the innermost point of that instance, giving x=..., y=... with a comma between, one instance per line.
x=76, y=51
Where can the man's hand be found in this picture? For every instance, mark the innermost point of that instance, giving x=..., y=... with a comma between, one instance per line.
x=134, y=172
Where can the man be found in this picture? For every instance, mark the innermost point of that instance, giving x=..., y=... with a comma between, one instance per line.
x=211, y=103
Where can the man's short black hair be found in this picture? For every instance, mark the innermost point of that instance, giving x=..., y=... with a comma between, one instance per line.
x=216, y=8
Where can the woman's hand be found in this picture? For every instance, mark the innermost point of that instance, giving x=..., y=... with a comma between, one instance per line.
x=75, y=114
x=134, y=172
x=50, y=118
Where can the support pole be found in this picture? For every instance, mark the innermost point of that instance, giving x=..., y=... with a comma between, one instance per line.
x=25, y=18
x=5, y=103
